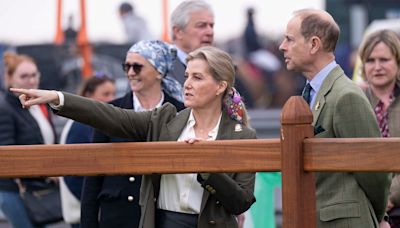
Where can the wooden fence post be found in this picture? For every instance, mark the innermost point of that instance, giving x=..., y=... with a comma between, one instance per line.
x=298, y=187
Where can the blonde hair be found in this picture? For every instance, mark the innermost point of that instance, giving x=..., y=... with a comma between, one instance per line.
x=221, y=67
x=390, y=39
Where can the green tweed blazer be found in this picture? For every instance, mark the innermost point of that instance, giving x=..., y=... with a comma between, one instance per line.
x=225, y=194
x=344, y=199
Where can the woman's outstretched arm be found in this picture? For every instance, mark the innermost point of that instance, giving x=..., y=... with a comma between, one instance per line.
x=29, y=97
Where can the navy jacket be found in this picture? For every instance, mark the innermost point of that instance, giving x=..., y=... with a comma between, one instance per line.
x=78, y=133
x=17, y=127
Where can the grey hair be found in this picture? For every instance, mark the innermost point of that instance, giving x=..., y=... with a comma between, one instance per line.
x=181, y=14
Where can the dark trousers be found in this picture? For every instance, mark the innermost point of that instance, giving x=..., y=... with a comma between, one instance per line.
x=394, y=217
x=172, y=219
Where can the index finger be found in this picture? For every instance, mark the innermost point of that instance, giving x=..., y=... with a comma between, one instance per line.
x=18, y=90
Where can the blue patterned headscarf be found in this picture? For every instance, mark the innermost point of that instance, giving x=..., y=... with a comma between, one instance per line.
x=162, y=56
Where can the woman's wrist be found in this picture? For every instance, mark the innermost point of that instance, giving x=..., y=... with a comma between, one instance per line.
x=58, y=101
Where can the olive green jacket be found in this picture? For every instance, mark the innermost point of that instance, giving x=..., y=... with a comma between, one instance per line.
x=344, y=199
x=225, y=194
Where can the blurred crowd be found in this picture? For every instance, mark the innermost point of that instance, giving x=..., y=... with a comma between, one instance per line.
x=261, y=76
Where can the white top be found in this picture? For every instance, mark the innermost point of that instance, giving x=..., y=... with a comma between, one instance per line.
x=137, y=106
x=182, y=192
x=44, y=124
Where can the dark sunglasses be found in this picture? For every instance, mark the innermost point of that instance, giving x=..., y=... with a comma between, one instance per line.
x=136, y=67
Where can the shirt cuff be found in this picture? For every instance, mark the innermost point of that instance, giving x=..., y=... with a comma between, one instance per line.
x=61, y=102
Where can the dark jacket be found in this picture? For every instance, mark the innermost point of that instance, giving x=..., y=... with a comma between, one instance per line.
x=178, y=72
x=117, y=197
x=78, y=133
x=17, y=127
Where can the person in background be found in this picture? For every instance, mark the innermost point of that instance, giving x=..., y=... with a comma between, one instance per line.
x=113, y=201
x=134, y=25
x=340, y=110
x=192, y=27
x=3, y=48
x=100, y=88
x=250, y=37
x=214, y=111
x=20, y=126
x=380, y=57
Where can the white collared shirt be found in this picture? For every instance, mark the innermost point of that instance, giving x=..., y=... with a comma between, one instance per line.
x=181, y=55
x=319, y=78
x=182, y=192
x=137, y=106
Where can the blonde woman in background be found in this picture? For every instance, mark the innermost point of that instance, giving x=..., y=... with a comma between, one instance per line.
x=380, y=57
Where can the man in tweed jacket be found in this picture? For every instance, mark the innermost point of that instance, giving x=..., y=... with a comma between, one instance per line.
x=340, y=110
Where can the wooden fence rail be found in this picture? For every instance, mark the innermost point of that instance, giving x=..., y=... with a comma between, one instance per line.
x=296, y=154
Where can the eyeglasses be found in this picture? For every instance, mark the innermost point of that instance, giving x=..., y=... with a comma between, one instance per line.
x=27, y=76
x=137, y=67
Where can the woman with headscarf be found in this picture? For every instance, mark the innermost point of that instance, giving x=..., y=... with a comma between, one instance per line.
x=214, y=111
x=113, y=201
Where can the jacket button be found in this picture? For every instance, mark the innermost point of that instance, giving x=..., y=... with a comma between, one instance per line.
x=212, y=222
x=218, y=203
x=130, y=198
x=131, y=179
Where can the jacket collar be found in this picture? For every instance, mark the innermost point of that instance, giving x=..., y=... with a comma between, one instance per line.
x=324, y=90
x=374, y=99
x=176, y=126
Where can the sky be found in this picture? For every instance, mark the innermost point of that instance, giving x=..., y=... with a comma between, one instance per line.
x=34, y=21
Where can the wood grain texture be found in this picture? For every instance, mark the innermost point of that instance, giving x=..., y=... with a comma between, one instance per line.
x=140, y=158
x=298, y=187
x=352, y=154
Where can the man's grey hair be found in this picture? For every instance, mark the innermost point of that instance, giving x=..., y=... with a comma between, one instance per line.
x=181, y=14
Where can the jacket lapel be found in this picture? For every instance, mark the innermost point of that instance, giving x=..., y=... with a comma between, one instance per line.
x=323, y=91
x=127, y=101
x=226, y=127
x=175, y=127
